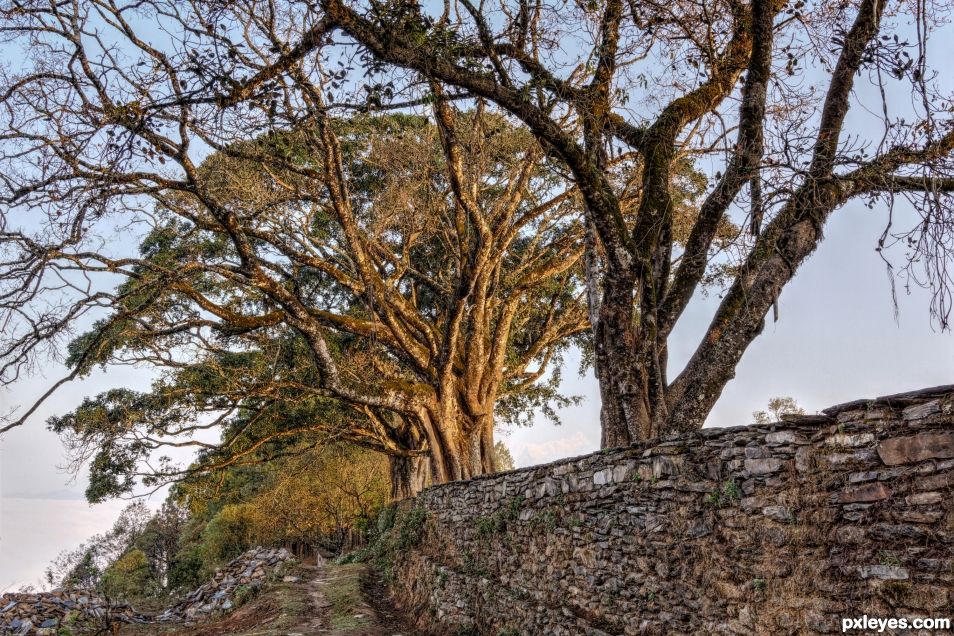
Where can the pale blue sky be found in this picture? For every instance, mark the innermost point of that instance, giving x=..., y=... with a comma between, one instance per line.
x=836, y=340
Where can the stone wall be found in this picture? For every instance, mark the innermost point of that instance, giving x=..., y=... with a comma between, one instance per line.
x=780, y=529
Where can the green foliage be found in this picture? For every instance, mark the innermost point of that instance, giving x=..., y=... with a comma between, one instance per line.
x=137, y=559
x=243, y=594
x=398, y=529
x=888, y=558
x=229, y=533
x=85, y=573
x=261, y=375
x=546, y=521
x=777, y=408
x=129, y=577
x=502, y=457
x=187, y=569
x=729, y=493
x=492, y=524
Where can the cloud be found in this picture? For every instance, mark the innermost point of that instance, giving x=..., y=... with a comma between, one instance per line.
x=542, y=452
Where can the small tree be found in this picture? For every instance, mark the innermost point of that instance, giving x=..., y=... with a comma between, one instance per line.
x=777, y=407
x=504, y=457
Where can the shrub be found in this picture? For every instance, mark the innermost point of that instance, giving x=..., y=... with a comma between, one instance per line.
x=130, y=577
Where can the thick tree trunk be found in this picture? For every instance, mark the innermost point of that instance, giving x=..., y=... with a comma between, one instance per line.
x=460, y=447
x=625, y=415
x=409, y=475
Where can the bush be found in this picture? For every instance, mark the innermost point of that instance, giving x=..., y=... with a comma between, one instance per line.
x=397, y=531
x=228, y=534
x=130, y=577
x=186, y=570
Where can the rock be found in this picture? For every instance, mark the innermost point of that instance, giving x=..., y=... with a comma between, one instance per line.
x=804, y=460
x=916, y=448
x=602, y=477
x=663, y=465
x=781, y=514
x=869, y=492
x=780, y=438
x=249, y=569
x=934, y=482
x=850, y=440
x=757, y=452
x=920, y=411
x=42, y=613
x=924, y=498
x=888, y=572
x=763, y=466
x=895, y=532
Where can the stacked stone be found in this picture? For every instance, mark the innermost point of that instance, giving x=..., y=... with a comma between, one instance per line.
x=218, y=594
x=44, y=612
x=784, y=529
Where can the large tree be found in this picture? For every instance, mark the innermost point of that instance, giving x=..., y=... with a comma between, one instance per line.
x=417, y=271
x=392, y=280
x=763, y=88
x=100, y=107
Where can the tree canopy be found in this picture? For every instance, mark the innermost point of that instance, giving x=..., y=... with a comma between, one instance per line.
x=362, y=301
x=533, y=181
x=763, y=89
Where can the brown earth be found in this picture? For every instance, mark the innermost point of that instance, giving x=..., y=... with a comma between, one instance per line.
x=327, y=600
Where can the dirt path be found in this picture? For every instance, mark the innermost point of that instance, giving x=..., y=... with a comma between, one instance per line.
x=326, y=600
x=341, y=608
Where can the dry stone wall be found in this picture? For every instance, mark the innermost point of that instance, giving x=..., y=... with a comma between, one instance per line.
x=777, y=529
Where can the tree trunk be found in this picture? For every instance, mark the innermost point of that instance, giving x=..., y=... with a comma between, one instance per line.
x=461, y=447
x=409, y=475
x=625, y=414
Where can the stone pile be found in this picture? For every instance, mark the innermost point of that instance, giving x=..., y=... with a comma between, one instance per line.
x=44, y=612
x=247, y=572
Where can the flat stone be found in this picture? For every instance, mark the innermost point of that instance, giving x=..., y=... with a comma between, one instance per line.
x=887, y=572
x=782, y=514
x=623, y=472
x=804, y=459
x=920, y=411
x=548, y=488
x=895, y=532
x=934, y=482
x=664, y=465
x=602, y=477
x=849, y=534
x=850, y=440
x=916, y=516
x=763, y=466
x=840, y=460
x=757, y=452
x=924, y=498
x=863, y=476
x=850, y=416
x=916, y=448
x=869, y=492
x=779, y=438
